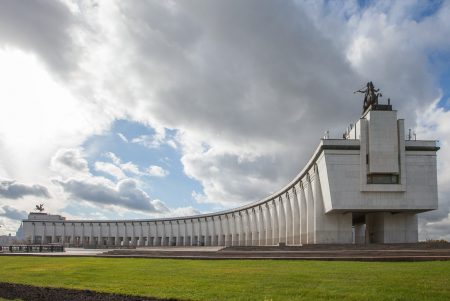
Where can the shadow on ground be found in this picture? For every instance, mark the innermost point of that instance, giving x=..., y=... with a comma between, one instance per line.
x=34, y=293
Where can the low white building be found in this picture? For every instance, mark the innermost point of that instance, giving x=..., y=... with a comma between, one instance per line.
x=365, y=188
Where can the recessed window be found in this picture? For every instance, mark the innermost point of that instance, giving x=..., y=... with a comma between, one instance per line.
x=382, y=179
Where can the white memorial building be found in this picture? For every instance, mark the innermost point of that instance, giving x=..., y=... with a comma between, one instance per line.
x=367, y=187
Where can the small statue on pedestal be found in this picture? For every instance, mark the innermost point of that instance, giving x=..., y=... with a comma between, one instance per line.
x=370, y=97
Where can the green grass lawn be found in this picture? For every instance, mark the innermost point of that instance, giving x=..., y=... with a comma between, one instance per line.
x=236, y=279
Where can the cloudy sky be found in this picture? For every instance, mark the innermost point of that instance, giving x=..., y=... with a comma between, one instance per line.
x=140, y=109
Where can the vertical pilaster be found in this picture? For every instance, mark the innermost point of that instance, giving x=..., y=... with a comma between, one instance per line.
x=288, y=216
x=221, y=232
x=133, y=234
x=100, y=234
x=275, y=224
x=117, y=242
x=296, y=217
x=170, y=233
x=53, y=232
x=192, y=232
x=250, y=231
x=64, y=233
x=235, y=234
x=303, y=214
x=108, y=241
x=229, y=235
x=207, y=232
x=269, y=227
x=81, y=236
x=310, y=209
x=141, y=235
x=200, y=233
x=214, y=237
x=261, y=227
x=185, y=233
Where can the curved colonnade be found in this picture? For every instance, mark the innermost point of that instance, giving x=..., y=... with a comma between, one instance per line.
x=284, y=217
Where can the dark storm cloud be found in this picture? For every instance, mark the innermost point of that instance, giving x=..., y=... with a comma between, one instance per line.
x=12, y=213
x=252, y=69
x=13, y=190
x=125, y=194
x=254, y=75
x=42, y=27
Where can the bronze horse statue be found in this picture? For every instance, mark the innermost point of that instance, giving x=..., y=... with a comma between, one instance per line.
x=370, y=97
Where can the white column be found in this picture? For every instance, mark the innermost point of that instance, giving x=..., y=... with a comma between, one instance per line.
x=108, y=240
x=275, y=227
x=281, y=221
x=81, y=236
x=170, y=233
x=100, y=235
x=289, y=219
x=141, y=235
x=64, y=233
x=164, y=230
x=236, y=229
x=185, y=233
x=232, y=223
x=310, y=211
x=249, y=233
x=72, y=239
x=229, y=232
x=156, y=241
x=303, y=214
x=242, y=229
x=126, y=242
x=295, y=217
x=178, y=233
x=268, y=223
x=221, y=232
x=91, y=234
x=200, y=233
x=53, y=232
x=207, y=242
x=149, y=234
x=33, y=234
x=133, y=234
x=261, y=227
x=214, y=241
x=116, y=240
x=192, y=232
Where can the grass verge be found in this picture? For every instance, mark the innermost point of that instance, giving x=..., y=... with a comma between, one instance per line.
x=235, y=279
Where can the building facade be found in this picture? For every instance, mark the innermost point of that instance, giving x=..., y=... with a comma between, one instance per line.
x=365, y=188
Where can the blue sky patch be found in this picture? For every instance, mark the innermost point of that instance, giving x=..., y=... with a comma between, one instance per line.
x=133, y=142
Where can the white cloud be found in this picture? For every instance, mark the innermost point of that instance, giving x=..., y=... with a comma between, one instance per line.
x=151, y=141
x=199, y=197
x=131, y=168
x=12, y=190
x=113, y=157
x=157, y=171
x=128, y=167
x=110, y=169
x=184, y=211
x=432, y=123
x=122, y=137
x=72, y=159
